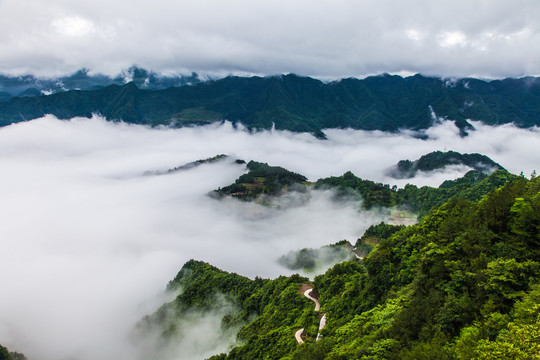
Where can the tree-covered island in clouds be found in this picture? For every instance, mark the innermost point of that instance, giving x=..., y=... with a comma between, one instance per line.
x=299, y=104
x=263, y=180
x=438, y=160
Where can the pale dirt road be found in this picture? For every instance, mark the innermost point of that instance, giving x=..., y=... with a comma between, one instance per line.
x=322, y=323
x=307, y=294
x=298, y=336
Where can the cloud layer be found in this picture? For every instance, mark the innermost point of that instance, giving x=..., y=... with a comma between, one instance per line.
x=89, y=242
x=328, y=39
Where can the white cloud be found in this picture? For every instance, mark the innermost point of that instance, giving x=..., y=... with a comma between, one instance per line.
x=452, y=38
x=414, y=34
x=73, y=26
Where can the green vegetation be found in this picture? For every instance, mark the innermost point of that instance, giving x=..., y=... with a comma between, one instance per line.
x=373, y=235
x=372, y=193
x=196, y=163
x=473, y=186
x=438, y=160
x=311, y=259
x=376, y=233
x=464, y=283
x=263, y=179
x=461, y=284
x=195, y=116
x=5, y=354
x=268, y=312
x=294, y=103
x=203, y=288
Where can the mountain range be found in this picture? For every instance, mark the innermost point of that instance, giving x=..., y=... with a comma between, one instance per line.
x=294, y=103
x=84, y=79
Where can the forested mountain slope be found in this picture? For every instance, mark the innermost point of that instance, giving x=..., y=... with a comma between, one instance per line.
x=461, y=284
x=301, y=104
x=472, y=186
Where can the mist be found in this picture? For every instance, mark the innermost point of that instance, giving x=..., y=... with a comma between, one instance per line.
x=90, y=242
x=197, y=336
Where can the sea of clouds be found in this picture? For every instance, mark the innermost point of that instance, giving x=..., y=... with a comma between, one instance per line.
x=89, y=241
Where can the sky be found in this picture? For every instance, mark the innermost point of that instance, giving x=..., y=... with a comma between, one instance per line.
x=93, y=234
x=327, y=39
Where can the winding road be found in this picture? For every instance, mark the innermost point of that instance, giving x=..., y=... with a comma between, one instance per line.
x=322, y=323
x=307, y=294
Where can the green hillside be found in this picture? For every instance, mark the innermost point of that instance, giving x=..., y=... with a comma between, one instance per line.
x=262, y=179
x=461, y=284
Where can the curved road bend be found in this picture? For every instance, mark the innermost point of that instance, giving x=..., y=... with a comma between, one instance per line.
x=298, y=336
x=307, y=294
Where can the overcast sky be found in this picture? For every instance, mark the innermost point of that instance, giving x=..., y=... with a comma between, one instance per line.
x=325, y=39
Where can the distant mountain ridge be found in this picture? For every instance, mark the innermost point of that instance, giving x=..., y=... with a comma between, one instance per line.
x=299, y=104
x=83, y=79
